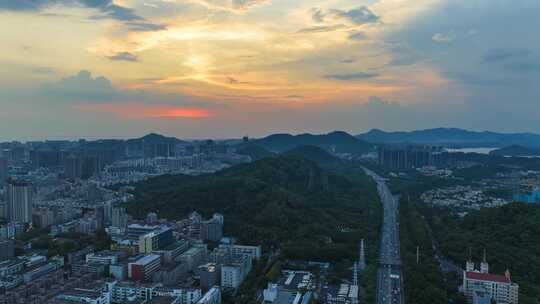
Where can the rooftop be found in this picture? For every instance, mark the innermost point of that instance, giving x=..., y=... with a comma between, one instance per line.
x=162, y=300
x=83, y=293
x=293, y=280
x=147, y=259
x=487, y=277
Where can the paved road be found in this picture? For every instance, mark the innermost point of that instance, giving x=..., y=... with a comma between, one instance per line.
x=389, y=279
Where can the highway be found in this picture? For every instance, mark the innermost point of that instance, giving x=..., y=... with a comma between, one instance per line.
x=389, y=278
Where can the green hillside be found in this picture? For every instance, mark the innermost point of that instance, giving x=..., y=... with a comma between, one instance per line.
x=339, y=142
x=255, y=152
x=510, y=235
x=315, y=154
x=286, y=201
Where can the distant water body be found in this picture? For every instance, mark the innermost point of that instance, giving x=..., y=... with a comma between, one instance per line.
x=472, y=150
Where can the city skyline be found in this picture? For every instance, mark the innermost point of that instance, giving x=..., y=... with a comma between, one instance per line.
x=228, y=68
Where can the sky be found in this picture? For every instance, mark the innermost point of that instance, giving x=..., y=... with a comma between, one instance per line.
x=229, y=68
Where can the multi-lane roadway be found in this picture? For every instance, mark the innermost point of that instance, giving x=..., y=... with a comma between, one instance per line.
x=389, y=279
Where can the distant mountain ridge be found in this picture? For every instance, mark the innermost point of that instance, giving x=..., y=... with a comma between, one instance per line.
x=338, y=141
x=516, y=150
x=156, y=138
x=452, y=137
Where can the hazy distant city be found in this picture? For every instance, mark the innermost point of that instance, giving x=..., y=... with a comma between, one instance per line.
x=146, y=220
x=269, y=152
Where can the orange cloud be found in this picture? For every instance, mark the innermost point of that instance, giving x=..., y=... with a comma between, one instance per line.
x=136, y=110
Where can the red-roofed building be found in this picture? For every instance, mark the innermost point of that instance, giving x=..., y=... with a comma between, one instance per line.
x=481, y=287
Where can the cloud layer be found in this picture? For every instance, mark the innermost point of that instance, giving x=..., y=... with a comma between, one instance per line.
x=107, y=8
x=261, y=66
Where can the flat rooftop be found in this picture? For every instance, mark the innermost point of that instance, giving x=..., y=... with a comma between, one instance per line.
x=147, y=259
x=162, y=300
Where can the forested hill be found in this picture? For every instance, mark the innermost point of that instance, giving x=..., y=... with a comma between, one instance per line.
x=287, y=201
x=255, y=152
x=316, y=154
x=339, y=142
x=510, y=235
x=452, y=137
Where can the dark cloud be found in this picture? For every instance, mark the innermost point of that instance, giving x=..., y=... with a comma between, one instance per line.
x=317, y=15
x=357, y=36
x=321, y=29
x=245, y=4
x=238, y=5
x=494, y=66
x=360, y=15
x=26, y=5
x=84, y=87
x=232, y=80
x=498, y=55
x=146, y=27
x=117, y=12
x=80, y=87
x=357, y=16
x=106, y=7
x=523, y=66
x=124, y=56
x=353, y=76
x=477, y=79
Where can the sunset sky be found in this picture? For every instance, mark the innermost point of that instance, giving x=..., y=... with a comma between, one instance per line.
x=228, y=68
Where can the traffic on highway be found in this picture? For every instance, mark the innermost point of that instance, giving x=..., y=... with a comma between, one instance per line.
x=389, y=279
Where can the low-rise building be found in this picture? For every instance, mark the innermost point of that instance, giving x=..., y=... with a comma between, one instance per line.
x=97, y=269
x=253, y=251
x=171, y=252
x=37, y=271
x=106, y=257
x=212, y=296
x=194, y=256
x=342, y=294
x=144, y=268
x=10, y=267
x=123, y=292
x=293, y=287
x=85, y=295
x=210, y=275
x=185, y=295
x=155, y=240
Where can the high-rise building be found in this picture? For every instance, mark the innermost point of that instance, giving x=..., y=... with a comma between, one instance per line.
x=7, y=250
x=406, y=157
x=46, y=158
x=43, y=217
x=91, y=165
x=362, y=260
x=20, y=201
x=3, y=171
x=73, y=167
x=119, y=217
x=212, y=229
x=82, y=167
